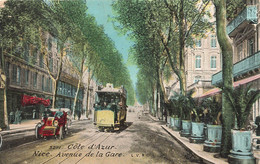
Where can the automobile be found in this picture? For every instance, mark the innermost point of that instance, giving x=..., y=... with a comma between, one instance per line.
x=53, y=123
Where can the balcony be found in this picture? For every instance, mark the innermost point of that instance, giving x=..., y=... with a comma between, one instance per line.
x=248, y=15
x=243, y=66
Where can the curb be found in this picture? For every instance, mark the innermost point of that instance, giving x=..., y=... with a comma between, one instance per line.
x=21, y=129
x=16, y=131
x=186, y=146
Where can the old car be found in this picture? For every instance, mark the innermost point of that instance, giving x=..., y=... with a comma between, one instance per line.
x=53, y=123
x=110, y=107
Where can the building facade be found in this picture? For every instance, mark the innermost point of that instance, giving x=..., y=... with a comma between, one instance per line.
x=27, y=75
x=244, y=32
x=201, y=62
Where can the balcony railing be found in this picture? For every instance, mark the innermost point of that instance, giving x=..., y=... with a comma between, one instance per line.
x=248, y=14
x=250, y=63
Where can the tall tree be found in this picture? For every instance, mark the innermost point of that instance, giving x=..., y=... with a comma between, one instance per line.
x=227, y=66
x=20, y=21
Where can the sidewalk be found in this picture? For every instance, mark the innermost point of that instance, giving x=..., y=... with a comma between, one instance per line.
x=26, y=125
x=196, y=149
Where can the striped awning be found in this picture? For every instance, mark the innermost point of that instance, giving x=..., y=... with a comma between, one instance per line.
x=237, y=83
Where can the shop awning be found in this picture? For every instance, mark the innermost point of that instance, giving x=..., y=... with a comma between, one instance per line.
x=237, y=83
x=33, y=100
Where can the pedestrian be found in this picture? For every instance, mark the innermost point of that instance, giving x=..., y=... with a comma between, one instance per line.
x=18, y=116
x=257, y=122
x=34, y=113
x=79, y=114
x=12, y=117
x=165, y=114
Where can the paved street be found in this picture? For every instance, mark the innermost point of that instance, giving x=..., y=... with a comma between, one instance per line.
x=140, y=141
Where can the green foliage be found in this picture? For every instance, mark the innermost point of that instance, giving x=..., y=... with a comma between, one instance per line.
x=234, y=7
x=20, y=22
x=23, y=21
x=214, y=107
x=241, y=100
x=155, y=28
x=182, y=105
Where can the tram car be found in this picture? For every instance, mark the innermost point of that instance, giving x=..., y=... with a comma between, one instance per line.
x=110, y=107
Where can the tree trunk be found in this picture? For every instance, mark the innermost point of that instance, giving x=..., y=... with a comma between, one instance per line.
x=155, y=100
x=4, y=84
x=181, y=51
x=5, y=109
x=75, y=99
x=227, y=65
x=87, y=105
x=55, y=90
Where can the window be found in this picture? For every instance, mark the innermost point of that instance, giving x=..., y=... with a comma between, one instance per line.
x=7, y=69
x=50, y=43
x=14, y=73
x=26, y=53
x=69, y=89
x=213, y=62
x=50, y=84
x=251, y=43
x=240, y=52
x=63, y=88
x=18, y=78
x=34, y=59
x=35, y=79
x=41, y=61
x=51, y=64
x=27, y=76
x=198, y=61
x=43, y=83
x=197, y=78
x=198, y=42
x=213, y=41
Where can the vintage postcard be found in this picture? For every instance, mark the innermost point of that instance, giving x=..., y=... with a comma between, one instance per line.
x=129, y=81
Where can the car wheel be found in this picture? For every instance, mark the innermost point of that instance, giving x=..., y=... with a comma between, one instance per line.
x=61, y=133
x=37, y=127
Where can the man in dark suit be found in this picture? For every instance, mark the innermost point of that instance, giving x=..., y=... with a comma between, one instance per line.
x=257, y=122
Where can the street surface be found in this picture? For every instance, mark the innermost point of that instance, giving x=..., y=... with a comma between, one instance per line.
x=140, y=141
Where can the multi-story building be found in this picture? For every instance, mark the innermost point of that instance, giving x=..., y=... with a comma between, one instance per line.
x=202, y=61
x=244, y=33
x=27, y=75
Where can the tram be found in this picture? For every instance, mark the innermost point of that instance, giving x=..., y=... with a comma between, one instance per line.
x=110, y=107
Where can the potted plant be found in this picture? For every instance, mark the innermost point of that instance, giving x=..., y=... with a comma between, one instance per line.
x=176, y=110
x=187, y=106
x=212, y=113
x=197, y=125
x=241, y=100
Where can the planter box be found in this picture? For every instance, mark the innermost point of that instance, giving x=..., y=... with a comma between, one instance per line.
x=241, y=147
x=177, y=124
x=168, y=121
x=171, y=122
x=213, y=138
x=186, y=128
x=197, y=132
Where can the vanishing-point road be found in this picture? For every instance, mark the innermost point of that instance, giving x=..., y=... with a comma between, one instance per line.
x=140, y=141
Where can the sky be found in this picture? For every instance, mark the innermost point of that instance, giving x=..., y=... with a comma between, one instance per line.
x=101, y=10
